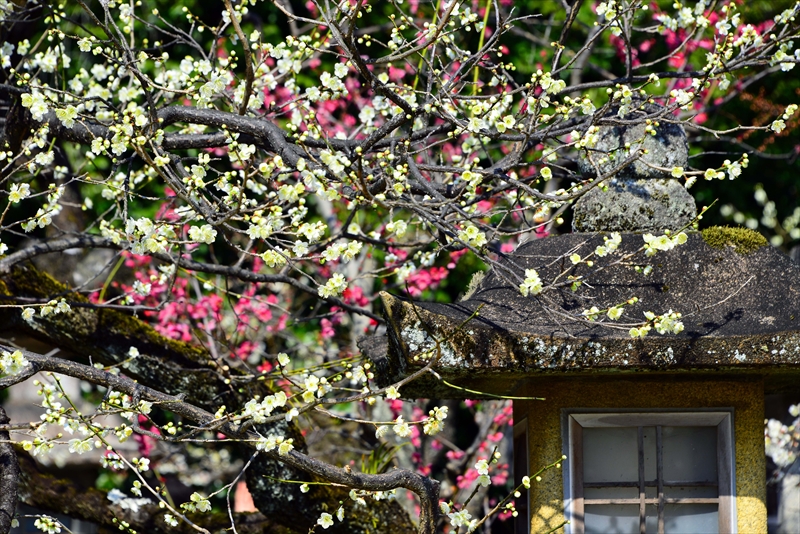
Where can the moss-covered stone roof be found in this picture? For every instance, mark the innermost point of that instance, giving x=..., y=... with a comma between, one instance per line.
x=741, y=314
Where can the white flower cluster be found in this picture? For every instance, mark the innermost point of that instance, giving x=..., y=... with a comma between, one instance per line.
x=336, y=162
x=398, y=228
x=334, y=287
x=785, y=58
x=216, y=85
x=611, y=244
x=612, y=312
x=779, y=442
x=624, y=95
x=274, y=257
x=35, y=102
x=359, y=374
x=262, y=227
x=532, y=285
x=203, y=234
x=345, y=251
x=51, y=308
x=67, y=115
x=141, y=464
x=80, y=446
x=682, y=98
x=435, y=421
x=113, y=461
x=6, y=50
x=48, y=524
x=44, y=215
x=653, y=244
x=271, y=442
x=548, y=84
x=734, y=169
x=686, y=17
x=667, y=323
x=472, y=236
x=482, y=467
x=18, y=192
x=779, y=125
x=259, y=411
x=401, y=428
x=589, y=138
x=12, y=363
x=485, y=114
x=460, y=518
x=315, y=387
x=197, y=503
x=146, y=236
x=392, y=393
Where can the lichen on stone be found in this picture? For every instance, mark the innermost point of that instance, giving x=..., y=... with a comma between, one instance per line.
x=420, y=343
x=744, y=240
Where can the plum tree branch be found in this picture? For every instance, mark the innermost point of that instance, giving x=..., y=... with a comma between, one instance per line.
x=425, y=488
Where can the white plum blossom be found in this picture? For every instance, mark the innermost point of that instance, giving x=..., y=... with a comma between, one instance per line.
x=12, y=363
x=325, y=520
x=472, y=236
x=48, y=524
x=67, y=115
x=283, y=359
x=80, y=446
x=653, y=244
x=141, y=464
x=460, y=518
x=333, y=287
x=19, y=192
x=397, y=227
x=260, y=411
x=272, y=442
x=36, y=103
x=610, y=244
x=435, y=421
x=401, y=428
x=532, y=285
x=197, y=503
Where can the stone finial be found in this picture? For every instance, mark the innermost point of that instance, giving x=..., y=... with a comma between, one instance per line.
x=640, y=197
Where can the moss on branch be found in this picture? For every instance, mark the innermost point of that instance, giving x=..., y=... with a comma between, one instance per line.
x=106, y=335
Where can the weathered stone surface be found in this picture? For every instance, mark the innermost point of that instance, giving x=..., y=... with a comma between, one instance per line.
x=629, y=205
x=666, y=149
x=643, y=196
x=741, y=315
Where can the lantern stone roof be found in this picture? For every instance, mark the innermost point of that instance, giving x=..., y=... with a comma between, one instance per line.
x=739, y=298
x=741, y=314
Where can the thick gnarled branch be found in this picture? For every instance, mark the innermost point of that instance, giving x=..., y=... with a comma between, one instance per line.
x=426, y=489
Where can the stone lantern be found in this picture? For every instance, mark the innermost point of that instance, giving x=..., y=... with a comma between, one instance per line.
x=663, y=432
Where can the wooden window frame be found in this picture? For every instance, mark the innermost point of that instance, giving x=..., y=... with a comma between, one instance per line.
x=576, y=420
